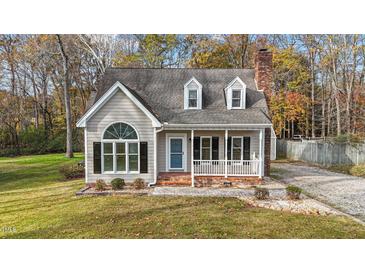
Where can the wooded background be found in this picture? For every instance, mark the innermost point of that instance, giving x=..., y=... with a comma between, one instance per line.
x=46, y=80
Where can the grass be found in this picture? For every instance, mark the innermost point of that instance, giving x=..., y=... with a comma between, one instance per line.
x=355, y=170
x=37, y=203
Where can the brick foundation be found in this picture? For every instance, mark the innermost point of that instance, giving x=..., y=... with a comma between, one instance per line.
x=184, y=179
x=218, y=181
x=174, y=178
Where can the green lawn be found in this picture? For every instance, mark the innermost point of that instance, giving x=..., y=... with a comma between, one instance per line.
x=39, y=204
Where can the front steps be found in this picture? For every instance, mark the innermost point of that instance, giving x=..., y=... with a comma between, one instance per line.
x=174, y=179
x=184, y=179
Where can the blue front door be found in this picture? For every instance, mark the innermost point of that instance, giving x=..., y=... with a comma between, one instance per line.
x=176, y=153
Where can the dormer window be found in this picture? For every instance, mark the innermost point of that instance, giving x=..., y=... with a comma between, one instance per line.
x=236, y=94
x=193, y=98
x=236, y=98
x=192, y=94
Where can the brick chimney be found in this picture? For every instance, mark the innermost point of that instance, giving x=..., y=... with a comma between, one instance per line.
x=263, y=70
x=263, y=77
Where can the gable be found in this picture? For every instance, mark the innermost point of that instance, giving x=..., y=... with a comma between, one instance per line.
x=118, y=109
x=129, y=96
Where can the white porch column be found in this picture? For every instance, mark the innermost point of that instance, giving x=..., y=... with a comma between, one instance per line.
x=86, y=155
x=225, y=153
x=192, y=157
x=260, y=154
x=155, y=155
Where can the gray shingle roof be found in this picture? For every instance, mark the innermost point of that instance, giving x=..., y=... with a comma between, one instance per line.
x=161, y=91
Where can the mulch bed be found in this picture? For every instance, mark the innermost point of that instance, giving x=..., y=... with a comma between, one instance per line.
x=90, y=191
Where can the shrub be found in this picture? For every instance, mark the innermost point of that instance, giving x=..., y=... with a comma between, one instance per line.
x=293, y=192
x=348, y=138
x=100, y=185
x=261, y=193
x=117, y=183
x=72, y=171
x=139, y=183
x=358, y=170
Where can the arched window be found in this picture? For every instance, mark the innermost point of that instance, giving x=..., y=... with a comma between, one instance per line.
x=120, y=131
x=120, y=149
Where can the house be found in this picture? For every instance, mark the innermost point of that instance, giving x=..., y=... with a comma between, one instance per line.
x=180, y=126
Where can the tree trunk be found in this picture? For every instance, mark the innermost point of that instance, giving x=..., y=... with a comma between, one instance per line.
x=66, y=85
x=338, y=115
x=312, y=93
x=323, y=131
x=329, y=110
x=307, y=123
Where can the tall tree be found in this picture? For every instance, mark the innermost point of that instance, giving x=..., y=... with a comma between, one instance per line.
x=66, y=87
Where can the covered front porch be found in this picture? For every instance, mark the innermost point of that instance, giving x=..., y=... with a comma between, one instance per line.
x=193, y=156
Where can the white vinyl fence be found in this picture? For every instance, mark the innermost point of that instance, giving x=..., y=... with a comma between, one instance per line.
x=321, y=153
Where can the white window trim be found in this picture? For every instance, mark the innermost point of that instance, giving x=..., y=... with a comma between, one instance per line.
x=185, y=155
x=210, y=148
x=199, y=94
x=241, y=99
x=126, y=142
x=242, y=143
x=229, y=89
x=192, y=98
x=241, y=139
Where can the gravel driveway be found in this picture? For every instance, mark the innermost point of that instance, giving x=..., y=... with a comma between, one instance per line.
x=344, y=192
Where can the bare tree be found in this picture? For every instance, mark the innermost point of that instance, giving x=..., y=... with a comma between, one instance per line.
x=66, y=86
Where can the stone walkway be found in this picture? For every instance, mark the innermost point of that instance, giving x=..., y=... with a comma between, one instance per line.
x=213, y=192
x=277, y=201
x=342, y=191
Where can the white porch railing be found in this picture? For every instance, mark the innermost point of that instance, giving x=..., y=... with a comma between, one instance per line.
x=234, y=167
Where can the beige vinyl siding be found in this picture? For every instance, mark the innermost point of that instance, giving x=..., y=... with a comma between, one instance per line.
x=161, y=141
x=119, y=109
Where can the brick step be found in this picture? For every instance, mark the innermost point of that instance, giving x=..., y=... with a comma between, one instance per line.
x=173, y=183
x=168, y=178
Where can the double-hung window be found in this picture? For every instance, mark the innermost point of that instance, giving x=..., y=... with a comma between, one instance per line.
x=121, y=156
x=236, y=98
x=236, y=94
x=120, y=149
x=193, y=98
x=108, y=156
x=241, y=148
x=236, y=148
x=206, y=148
x=193, y=94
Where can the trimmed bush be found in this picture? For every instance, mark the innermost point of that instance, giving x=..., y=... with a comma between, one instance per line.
x=139, y=183
x=100, y=185
x=72, y=171
x=293, y=192
x=262, y=193
x=117, y=183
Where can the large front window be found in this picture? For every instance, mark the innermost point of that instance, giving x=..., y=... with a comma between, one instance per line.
x=120, y=149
